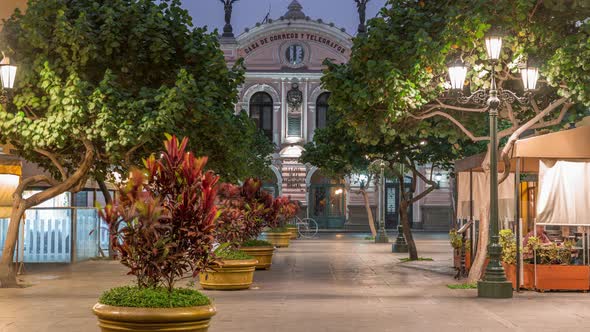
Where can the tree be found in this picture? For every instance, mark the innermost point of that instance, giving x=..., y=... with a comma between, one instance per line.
x=98, y=85
x=337, y=152
x=398, y=71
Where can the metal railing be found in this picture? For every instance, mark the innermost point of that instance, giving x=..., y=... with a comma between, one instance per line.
x=56, y=235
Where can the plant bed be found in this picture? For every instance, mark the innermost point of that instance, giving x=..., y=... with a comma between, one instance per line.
x=153, y=309
x=562, y=277
x=234, y=270
x=261, y=250
x=279, y=237
x=293, y=230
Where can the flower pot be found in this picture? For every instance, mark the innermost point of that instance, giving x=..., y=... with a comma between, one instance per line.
x=262, y=254
x=563, y=277
x=528, y=276
x=294, y=232
x=193, y=319
x=279, y=240
x=510, y=271
x=229, y=275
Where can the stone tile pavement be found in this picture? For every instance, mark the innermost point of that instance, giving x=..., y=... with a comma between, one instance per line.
x=338, y=282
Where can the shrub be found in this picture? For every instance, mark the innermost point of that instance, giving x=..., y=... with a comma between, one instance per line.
x=232, y=254
x=256, y=243
x=163, y=224
x=508, y=244
x=158, y=297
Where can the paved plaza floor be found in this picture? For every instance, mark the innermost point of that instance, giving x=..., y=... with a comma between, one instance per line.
x=338, y=282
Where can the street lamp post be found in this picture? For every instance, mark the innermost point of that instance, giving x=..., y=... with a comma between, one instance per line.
x=494, y=283
x=382, y=233
x=7, y=76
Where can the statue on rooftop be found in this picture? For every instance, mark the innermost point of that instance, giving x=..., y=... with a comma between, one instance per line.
x=361, y=6
x=228, y=8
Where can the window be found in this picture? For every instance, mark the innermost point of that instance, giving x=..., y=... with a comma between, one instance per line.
x=321, y=115
x=261, y=112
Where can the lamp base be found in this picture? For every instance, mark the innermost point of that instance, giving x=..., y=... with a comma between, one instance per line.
x=381, y=237
x=494, y=289
x=399, y=248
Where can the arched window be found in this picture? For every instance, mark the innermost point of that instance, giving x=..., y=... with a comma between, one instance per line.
x=322, y=108
x=261, y=112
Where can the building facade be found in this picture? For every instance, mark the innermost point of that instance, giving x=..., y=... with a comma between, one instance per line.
x=283, y=94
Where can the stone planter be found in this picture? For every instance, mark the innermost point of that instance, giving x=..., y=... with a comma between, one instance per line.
x=262, y=254
x=279, y=240
x=229, y=275
x=562, y=277
x=189, y=319
x=293, y=231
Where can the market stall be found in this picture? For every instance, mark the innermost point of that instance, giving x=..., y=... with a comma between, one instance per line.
x=562, y=214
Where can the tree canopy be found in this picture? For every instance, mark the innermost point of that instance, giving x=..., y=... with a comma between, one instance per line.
x=398, y=72
x=119, y=74
x=100, y=82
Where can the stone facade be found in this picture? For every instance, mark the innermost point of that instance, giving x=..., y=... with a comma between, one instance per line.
x=284, y=62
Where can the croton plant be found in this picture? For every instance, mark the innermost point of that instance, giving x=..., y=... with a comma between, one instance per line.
x=163, y=224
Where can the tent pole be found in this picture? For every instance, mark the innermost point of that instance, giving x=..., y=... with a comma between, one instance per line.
x=517, y=222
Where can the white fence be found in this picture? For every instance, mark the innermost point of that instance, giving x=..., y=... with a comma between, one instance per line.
x=48, y=235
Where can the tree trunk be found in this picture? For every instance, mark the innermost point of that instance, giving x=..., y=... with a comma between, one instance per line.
x=369, y=212
x=478, y=263
x=20, y=205
x=404, y=218
x=7, y=267
x=109, y=200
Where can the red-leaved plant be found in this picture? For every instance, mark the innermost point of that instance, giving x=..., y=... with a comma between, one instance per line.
x=245, y=211
x=285, y=210
x=163, y=223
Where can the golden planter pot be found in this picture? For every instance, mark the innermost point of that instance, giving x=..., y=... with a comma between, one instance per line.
x=279, y=240
x=189, y=319
x=229, y=275
x=293, y=231
x=262, y=254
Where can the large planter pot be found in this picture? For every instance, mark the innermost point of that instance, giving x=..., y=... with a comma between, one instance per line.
x=193, y=319
x=279, y=240
x=262, y=254
x=562, y=277
x=510, y=270
x=528, y=276
x=294, y=232
x=229, y=275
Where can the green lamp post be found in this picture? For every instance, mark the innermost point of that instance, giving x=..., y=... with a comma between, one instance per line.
x=494, y=283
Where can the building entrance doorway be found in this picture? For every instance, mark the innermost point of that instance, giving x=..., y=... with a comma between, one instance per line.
x=327, y=202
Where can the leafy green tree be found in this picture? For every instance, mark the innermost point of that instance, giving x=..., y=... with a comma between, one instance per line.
x=338, y=153
x=98, y=84
x=398, y=71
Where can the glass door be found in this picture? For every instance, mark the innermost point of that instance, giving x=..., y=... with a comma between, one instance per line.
x=327, y=205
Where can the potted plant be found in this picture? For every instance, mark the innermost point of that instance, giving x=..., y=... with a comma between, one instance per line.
x=554, y=270
x=456, y=240
x=162, y=227
x=255, y=205
x=233, y=269
x=508, y=256
x=278, y=234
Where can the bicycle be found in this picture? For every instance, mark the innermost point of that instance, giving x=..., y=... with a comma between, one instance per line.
x=306, y=227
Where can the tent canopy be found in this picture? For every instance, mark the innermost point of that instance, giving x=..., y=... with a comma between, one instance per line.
x=10, y=172
x=571, y=144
